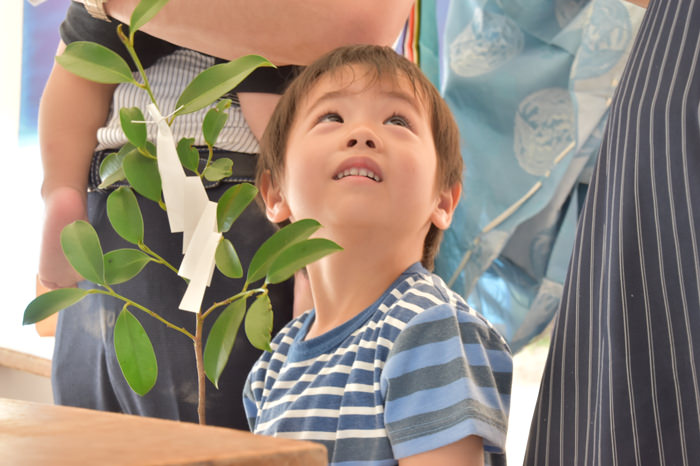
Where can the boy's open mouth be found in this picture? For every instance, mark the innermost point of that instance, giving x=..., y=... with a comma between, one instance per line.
x=355, y=171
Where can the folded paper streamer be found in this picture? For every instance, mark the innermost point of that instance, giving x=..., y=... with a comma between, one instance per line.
x=189, y=211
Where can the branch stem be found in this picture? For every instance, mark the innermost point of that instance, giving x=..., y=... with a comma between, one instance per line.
x=201, y=378
x=243, y=294
x=129, y=302
x=129, y=44
x=157, y=258
x=209, y=157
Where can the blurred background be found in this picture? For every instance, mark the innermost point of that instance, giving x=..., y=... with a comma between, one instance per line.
x=28, y=40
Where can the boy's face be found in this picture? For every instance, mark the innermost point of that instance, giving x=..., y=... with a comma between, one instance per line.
x=361, y=153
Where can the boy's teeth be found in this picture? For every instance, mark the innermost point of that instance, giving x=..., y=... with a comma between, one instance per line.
x=358, y=171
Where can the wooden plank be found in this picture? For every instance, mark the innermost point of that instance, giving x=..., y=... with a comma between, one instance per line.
x=25, y=362
x=37, y=434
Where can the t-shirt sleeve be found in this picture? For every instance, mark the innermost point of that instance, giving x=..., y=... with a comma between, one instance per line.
x=448, y=376
x=249, y=404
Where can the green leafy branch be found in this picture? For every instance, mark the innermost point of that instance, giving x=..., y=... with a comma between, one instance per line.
x=285, y=252
x=277, y=259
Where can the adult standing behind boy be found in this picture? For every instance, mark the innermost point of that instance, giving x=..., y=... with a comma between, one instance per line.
x=621, y=382
x=85, y=372
x=390, y=365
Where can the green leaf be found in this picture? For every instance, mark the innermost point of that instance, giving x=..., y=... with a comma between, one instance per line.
x=96, y=63
x=223, y=104
x=299, y=255
x=270, y=249
x=221, y=339
x=135, y=353
x=126, y=148
x=219, y=169
x=216, y=81
x=125, y=215
x=213, y=122
x=232, y=203
x=114, y=170
x=49, y=303
x=82, y=248
x=122, y=265
x=189, y=156
x=111, y=170
x=227, y=260
x=135, y=132
x=144, y=12
x=142, y=173
x=258, y=323
x=151, y=148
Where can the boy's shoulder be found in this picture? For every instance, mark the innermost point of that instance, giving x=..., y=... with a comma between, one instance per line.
x=417, y=298
x=421, y=296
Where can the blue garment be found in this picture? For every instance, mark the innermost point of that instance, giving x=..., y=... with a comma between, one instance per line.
x=415, y=371
x=529, y=83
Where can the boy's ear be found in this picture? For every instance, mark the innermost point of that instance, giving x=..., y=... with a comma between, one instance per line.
x=276, y=207
x=447, y=202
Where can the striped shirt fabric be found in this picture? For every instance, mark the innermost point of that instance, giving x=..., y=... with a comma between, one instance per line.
x=415, y=371
x=621, y=383
x=168, y=77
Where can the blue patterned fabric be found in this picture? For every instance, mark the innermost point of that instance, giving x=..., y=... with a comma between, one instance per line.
x=415, y=371
x=529, y=82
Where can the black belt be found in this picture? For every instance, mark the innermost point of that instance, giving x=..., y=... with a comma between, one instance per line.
x=243, y=168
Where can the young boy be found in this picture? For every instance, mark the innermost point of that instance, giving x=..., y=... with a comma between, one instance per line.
x=390, y=365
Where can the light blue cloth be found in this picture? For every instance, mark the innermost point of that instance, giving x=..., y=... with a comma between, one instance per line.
x=529, y=82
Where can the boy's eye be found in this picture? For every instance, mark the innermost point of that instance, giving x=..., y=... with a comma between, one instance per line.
x=398, y=120
x=330, y=117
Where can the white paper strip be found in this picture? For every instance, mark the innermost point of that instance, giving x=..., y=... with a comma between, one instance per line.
x=195, y=202
x=189, y=211
x=192, y=299
x=199, y=261
x=172, y=174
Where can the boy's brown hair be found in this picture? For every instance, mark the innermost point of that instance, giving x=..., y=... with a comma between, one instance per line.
x=379, y=62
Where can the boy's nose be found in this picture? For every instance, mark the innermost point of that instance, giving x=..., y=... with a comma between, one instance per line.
x=367, y=141
x=363, y=136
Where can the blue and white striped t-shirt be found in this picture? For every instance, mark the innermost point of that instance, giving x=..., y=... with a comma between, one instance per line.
x=415, y=371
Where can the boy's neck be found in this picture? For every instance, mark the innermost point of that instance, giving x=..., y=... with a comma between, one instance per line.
x=347, y=282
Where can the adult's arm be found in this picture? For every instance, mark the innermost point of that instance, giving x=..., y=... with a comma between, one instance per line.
x=642, y=3
x=468, y=451
x=285, y=32
x=70, y=112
